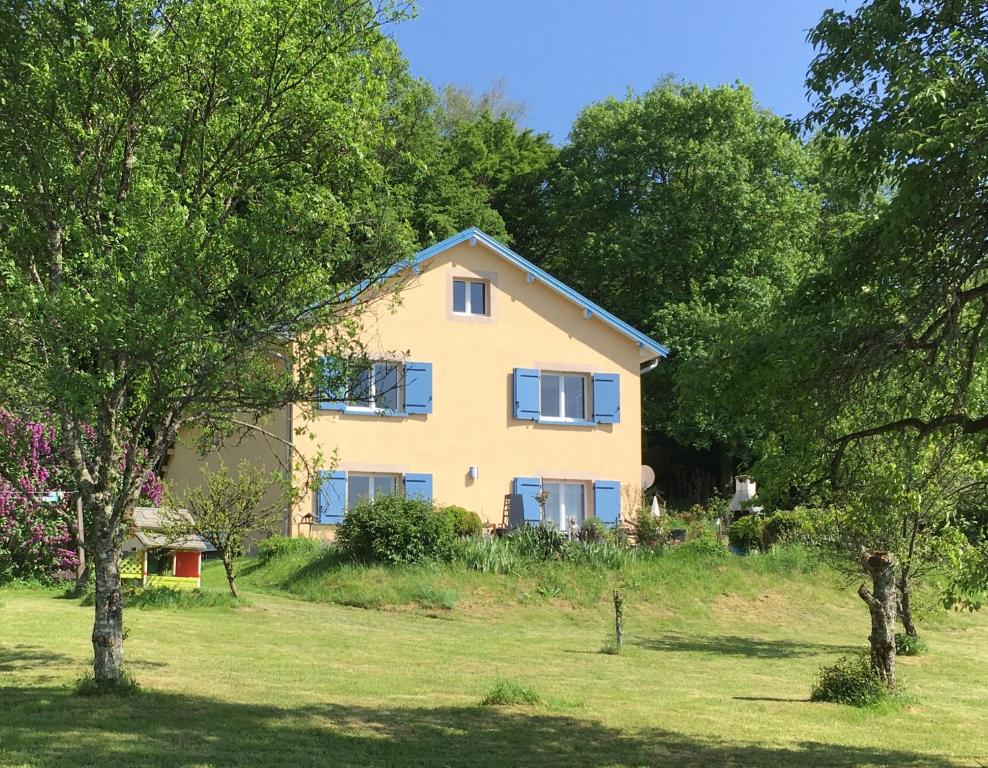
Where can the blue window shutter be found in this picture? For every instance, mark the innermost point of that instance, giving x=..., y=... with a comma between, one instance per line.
x=607, y=501
x=529, y=488
x=418, y=486
x=526, y=393
x=418, y=387
x=335, y=399
x=606, y=398
x=331, y=500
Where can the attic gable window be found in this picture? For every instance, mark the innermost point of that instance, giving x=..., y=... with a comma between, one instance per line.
x=470, y=297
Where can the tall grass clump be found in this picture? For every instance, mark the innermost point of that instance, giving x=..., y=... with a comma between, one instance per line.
x=489, y=556
x=288, y=546
x=510, y=693
x=169, y=599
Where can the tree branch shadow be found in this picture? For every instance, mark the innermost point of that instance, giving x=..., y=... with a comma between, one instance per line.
x=48, y=726
x=730, y=645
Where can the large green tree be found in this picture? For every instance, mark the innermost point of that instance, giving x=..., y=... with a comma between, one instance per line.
x=188, y=189
x=690, y=212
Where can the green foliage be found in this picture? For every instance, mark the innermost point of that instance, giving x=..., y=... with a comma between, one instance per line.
x=466, y=524
x=511, y=693
x=541, y=542
x=647, y=529
x=705, y=545
x=850, y=680
x=126, y=686
x=592, y=530
x=909, y=645
x=689, y=212
x=747, y=532
x=397, y=529
x=493, y=555
x=287, y=546
x=785, y=526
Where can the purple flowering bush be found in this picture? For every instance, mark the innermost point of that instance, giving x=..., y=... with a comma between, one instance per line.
x=36, y=540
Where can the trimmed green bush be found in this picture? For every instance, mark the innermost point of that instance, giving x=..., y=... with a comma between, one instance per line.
x=282, y=546
x=909, y=645
x=508, y=692
x=592, y=530
x=746, y=532
x=851, y=680
x=396, y=529
x=647, y=529
x=466, y=524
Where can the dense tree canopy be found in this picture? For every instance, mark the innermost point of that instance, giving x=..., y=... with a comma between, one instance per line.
x=689, y=212
x=184, y=187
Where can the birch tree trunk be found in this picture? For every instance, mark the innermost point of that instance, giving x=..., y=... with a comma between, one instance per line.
x=882, y=602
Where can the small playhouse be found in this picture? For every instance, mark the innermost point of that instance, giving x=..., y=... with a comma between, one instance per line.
x=150, y=559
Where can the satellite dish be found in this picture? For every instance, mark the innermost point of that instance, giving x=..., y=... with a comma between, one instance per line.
x=648, y=476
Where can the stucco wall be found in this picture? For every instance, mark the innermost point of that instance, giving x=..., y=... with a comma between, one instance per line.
x=531, y=326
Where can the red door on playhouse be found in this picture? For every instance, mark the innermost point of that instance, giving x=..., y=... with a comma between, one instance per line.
x=187, y=564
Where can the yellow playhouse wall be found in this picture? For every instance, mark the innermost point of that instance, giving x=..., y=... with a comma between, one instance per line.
x=531, y=326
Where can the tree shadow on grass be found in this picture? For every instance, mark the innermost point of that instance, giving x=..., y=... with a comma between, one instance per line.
x=728, y=645
x=20, y=657
x=48, y=727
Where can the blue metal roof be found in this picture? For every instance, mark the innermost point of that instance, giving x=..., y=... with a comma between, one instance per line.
x=540, y=275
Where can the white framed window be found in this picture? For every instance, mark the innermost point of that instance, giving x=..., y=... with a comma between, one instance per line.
x=367, y=487
x=563, y=396
x=566, y=505
x=378, y=387
x=471, y=297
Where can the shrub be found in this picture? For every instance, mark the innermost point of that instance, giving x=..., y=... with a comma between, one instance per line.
x=466, y=524
x=746, y=532
x=784, y=526
x=397, y=529
x=851, y=680
x=541, y=542
x=592, y=530
x=508, y=692
x=647, y=529
x=283, y=546
x=909, y=645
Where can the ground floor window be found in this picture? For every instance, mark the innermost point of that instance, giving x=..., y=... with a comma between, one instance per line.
x=566, y=505
x=367, y=487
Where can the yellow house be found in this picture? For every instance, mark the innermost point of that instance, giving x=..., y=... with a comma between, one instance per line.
x=492, y=378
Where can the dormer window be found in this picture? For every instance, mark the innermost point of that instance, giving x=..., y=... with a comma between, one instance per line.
x=470, y=297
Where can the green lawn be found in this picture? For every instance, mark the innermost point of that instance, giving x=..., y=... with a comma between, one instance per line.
x=709, y=678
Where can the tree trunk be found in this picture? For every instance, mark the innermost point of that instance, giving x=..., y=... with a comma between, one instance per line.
x=618, y=621
x=905, y=604
x=882, y=602
x=82, y=572
x=231, y=579
x=108, y=656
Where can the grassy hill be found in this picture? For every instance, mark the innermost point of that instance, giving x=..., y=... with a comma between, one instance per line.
x=720, y=655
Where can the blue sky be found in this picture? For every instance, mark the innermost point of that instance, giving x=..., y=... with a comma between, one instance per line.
x=558, y=56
